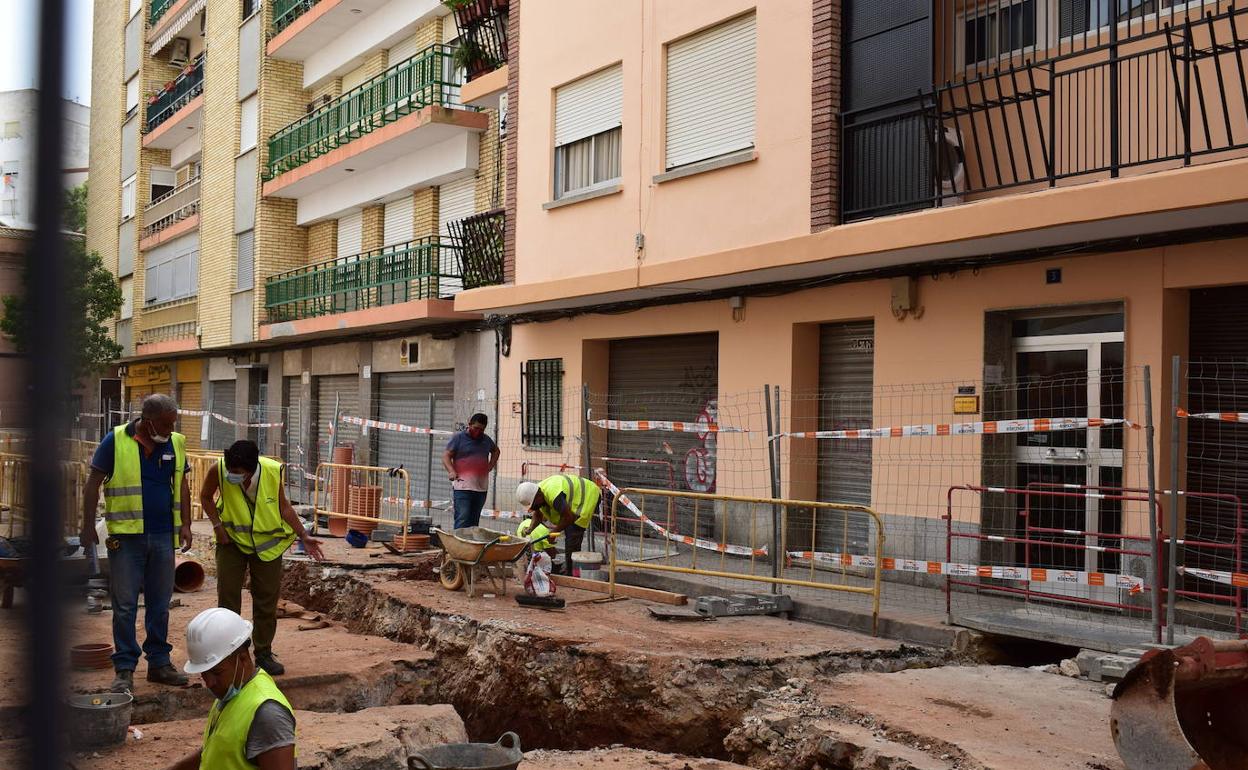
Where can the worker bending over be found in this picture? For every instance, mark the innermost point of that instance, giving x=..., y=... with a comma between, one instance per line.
x=251, y=724
x=253, y=524
x=565, y=504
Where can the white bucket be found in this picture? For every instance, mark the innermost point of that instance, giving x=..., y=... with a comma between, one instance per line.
x=588, y=564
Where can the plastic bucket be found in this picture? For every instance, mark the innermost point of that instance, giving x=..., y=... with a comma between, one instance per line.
x=503, y=755
x=99, y=720
x=588, y=565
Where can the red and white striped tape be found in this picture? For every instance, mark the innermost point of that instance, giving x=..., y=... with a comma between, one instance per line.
x=674, y=427
x=697, y=542
x=496, y=514
x=1022, y=574
x=1220, y=416
x=416, y=503
x=1237, y=579
x=227, y=420
x=394, y=426
x=1037, y=425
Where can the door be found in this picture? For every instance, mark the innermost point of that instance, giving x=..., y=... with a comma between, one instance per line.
x=404, y=398
x=846, y=375
x=221, y=401
x=1062, y=371
x=336, y=395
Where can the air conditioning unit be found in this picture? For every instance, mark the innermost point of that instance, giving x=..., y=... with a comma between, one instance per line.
x=180, y=51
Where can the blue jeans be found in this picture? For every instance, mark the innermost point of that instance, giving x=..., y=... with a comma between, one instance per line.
x=468, y=505
x=143, y=563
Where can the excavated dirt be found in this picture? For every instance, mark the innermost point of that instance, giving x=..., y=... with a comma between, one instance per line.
x=595, y=674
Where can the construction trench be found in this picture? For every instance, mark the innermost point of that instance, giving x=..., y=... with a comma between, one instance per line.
x=382, y=661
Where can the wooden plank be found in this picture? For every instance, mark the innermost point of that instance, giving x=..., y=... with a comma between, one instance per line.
x=633, y=592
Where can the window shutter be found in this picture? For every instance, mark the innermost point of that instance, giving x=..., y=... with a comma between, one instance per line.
x=350, y=234
x=246, y=270
x=711, y=93
x=456, y=200
x=589, y=106
x=399, y=222
x=249, y=123
x=404, y=50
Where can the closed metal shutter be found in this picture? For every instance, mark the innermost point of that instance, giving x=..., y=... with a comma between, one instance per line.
x=220, y=434
x=354, y=78
x=343, y=390
x=663, y=378
x=589, y=106
x=404, y=398
x=292, y=451
x=1215, y=449
x=191, y=397
x=456, y=200
x=399, y=222
x=351, y=234
x=405, y=49
x=846, y=375
x=711, y=92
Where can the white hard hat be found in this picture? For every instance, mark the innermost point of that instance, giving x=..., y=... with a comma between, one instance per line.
x=211, y=636
x=526, y=492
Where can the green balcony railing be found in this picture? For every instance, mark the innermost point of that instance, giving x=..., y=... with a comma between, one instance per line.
x=286, y=11
x=423, y=269
x=428, y=78
x=158, y=9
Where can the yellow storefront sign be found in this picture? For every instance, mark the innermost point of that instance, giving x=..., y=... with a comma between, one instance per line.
x=147, y=374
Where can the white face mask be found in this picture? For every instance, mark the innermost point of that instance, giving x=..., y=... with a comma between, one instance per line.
x=159, y=439
x=235, y=478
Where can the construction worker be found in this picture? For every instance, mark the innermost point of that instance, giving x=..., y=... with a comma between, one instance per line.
x=542, y=539
x=253, y=524
x=566, y=504
x=147, y=506
x=251, y=724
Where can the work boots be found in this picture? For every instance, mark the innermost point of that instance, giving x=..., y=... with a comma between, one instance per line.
x=166, y=674
x=270, y=664
x=122, y=682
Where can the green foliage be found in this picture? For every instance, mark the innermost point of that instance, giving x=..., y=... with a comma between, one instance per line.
x=469, y=56
x=94, y=298
x=76, y=209
x=457, y=4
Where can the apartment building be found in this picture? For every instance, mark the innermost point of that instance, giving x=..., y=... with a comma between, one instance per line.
x=18, y=131
x=289, y=192
x=898, y=213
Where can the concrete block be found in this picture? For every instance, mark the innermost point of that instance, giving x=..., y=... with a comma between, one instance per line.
x=1088, y=665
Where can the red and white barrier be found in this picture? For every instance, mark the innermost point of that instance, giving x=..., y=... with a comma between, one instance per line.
x=1037, y=425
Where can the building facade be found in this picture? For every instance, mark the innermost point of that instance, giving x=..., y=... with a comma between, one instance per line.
x=18, y=110
x=279, y=187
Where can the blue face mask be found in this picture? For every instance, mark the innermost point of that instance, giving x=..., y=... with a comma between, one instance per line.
x=233, y=689
x=235, y=478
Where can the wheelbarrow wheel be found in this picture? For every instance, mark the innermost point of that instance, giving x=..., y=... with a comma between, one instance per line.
x=451, y=575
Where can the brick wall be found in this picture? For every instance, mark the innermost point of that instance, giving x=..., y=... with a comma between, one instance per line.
x=322, y=241
x=425, y=213
x=108, y=94
x=489, y=193
x=513, y=131
x=374, y=220
x=825, y=104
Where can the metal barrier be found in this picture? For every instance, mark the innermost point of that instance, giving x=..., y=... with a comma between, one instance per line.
x=362, y=497
x=15, y=504
x=765, y=522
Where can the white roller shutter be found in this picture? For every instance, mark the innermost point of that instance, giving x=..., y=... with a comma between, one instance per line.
x=351, y=234
x=344, y=391
x=589, y=106
x=404, y=50
x=354, y=78
x=846, y=374
x=711, y=93
x=399, y=222
x=456, y=200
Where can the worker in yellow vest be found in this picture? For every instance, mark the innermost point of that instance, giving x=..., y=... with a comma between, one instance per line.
x=251, y=724
x=253, y=524
x=147, y=506
x=565, y=504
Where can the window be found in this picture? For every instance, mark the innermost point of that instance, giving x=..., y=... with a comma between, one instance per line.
x=172, y=271
x=249, y=126
x=127, y=198
x=132, y=94
x=710, y=98
x=12, y=129
x=541, y=396
x=163, y=181
x=250, y=7
x=245, y=272
x=1079, y=16
x=588, y=115
x=1000, y=32
x=127, y=298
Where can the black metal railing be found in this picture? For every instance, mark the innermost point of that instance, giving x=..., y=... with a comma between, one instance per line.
x=177, y=94
x=1155, y=90
x=422, y=269
x=480, y=241
x=541, y=398
x=286, y=11
x=482, y=28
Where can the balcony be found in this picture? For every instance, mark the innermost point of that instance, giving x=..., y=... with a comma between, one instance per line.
x=480, y=240
x=177, y=105
x=164, y=217
x=286, y=11
x=159, y=7
x=402, y=130
x=426, y=269
x=1034, y=95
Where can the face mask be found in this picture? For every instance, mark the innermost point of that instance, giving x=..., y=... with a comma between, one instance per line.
x=235, y=478
x=233, y=689
x=159, y=439
x=476, y=432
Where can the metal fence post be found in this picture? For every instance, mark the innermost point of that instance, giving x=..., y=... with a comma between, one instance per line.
x=1172, y=568
x=1150, y=431
x=588, y=470
x=428, y=498
x=775, y=490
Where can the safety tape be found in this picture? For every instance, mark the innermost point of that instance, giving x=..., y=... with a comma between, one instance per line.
x=1037, y=425
x=1237, y=579
x=393, y=426
x=494, y=514
x=227, y=420
x=1023, y=574
x=697, y=542
x=1220, y=416
x=416, y=503
x=91, y=415
x=675, y=427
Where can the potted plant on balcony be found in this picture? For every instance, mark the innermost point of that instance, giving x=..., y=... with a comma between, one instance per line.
x=473, y=59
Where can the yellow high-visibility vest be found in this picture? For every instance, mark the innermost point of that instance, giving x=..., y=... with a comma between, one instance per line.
x=123, y=491
x=256, y=527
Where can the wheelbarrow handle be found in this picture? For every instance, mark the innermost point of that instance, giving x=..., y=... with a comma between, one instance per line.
x=418, y=762
x=509, y=740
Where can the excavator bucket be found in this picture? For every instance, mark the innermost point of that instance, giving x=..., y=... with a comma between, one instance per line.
x=1185, y=709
